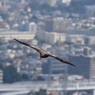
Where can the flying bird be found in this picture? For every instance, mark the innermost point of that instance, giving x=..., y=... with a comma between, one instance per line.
x=44, y=54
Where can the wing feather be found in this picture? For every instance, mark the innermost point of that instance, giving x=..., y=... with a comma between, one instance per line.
x=41, y=51
x=34, y=47
x=62, y=60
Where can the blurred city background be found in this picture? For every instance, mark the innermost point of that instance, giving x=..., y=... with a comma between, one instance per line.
x=62, y=27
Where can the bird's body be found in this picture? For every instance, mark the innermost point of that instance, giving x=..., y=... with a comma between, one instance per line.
x=44, y=54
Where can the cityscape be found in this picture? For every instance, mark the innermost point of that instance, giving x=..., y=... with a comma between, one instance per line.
x=65, y=28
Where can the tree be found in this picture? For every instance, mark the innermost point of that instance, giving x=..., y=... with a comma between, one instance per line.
x=10, y=74
x=25, y=77
x=34, y=5
x=46, y=7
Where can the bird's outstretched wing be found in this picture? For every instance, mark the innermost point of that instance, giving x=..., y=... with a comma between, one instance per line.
x=34, y=47
x=62, y=60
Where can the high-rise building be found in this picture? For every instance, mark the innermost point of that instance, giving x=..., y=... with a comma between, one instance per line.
x=57, y=24
x=89, y=40
x=85, y=64
x=53, y=67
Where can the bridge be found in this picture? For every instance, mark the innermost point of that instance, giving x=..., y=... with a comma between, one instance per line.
x=22, y=88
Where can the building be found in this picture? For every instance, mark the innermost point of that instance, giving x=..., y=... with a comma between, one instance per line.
x=66, y=2
x=85, y=64
x=79, y=39
x=1, y=76
x=52, y=3
x=51, y=37
x=89, y=40
x=32, y=27
x=90, y=10
x=0, y=4
x=53, y=67
x=15, y=34
x=85, y=32
x=57, y=24
x=23, y=25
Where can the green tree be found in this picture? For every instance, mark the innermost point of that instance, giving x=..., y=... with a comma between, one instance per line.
x=10, y=74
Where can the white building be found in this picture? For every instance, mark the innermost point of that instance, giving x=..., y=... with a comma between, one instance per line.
x=32, y=27
x=79, y=39
x=67, y=2
x=15, y=34
x=51, y=37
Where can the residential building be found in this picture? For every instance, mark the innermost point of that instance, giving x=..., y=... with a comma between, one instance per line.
x=15, y=34
x=57, y=24
x=23, y=25
x=32, y=27
x=78, y=39
x=85, y=64
x=53, y=67
x=51, y=37
x=89, y=40
x=85, y=32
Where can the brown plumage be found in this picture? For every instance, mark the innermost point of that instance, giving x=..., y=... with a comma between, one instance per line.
x=44, y=54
